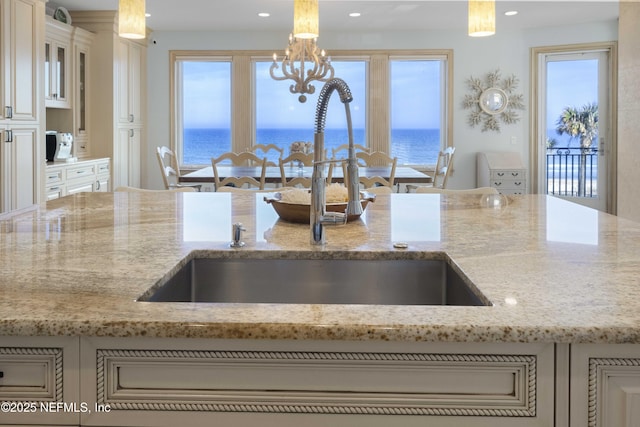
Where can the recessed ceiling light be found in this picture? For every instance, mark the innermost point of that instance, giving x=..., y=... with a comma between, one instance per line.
x=355, y=14
x=264, y=14
x=511, y=12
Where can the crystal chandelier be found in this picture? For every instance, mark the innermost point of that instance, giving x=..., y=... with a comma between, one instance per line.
x=482, y=18
x=303, y=61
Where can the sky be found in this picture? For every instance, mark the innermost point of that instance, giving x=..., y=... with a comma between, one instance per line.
x=570, y=84
x=207, y=97
x=415, y=94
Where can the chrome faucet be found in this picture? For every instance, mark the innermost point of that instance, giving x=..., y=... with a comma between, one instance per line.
x=319, y=216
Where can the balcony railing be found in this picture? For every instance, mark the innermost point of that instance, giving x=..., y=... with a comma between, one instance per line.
x=572, y=171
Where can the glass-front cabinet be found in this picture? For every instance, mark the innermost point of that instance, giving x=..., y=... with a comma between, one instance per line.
x=57, y=75
x=81, y=53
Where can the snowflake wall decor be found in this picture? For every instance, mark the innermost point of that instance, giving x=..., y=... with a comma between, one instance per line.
x=493, y=100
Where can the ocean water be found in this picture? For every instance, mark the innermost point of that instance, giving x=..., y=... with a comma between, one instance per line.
x=411, y=146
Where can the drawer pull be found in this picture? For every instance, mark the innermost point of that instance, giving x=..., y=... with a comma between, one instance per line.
x=514, y=174
x=517, y=183
x=500, y=173
x=1, y=374
x=497, y=184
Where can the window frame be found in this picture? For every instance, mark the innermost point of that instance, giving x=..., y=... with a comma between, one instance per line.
x=378, y=102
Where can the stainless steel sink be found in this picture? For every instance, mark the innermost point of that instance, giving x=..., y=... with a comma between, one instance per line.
x=317, y=281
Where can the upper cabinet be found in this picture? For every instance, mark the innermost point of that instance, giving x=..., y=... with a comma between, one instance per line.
x=22, y=107
x=81, y=44
x=57, y=64
x=66, y=87
x=129, y=82
x=21, y=32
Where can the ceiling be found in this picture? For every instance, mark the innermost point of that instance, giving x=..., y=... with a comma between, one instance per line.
x=376, y=15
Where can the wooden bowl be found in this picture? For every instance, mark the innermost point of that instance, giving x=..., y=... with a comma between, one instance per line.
x=294, y=212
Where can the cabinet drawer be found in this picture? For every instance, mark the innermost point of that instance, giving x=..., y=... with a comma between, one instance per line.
x=509, y=184
x=53, y=176
x=54, y=191
x=358, y=383
x=39, y=373
x=103, y=168
x=504, y=174
x=83, y=171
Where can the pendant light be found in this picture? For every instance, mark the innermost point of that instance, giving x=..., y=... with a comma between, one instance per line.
x=482, y=18
x=131, y=19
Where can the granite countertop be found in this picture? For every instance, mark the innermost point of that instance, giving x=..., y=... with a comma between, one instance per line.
x=554, y=271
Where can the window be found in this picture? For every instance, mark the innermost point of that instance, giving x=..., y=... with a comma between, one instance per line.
x=417, y=99
x=401, y=104
x=204, y=115
x=281, y=119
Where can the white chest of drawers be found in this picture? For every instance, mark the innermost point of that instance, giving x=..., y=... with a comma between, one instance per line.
x=503, y=171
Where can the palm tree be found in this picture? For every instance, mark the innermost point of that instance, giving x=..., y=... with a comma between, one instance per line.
x=581, y=124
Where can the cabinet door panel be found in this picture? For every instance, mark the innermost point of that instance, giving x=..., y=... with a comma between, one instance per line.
x=605, y=388
x=19, y=168
x=22, y=62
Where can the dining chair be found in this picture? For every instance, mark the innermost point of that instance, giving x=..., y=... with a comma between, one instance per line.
x=247, y=159
x=375, y=158
x=292, y=163
x=444, y=166
x=480, y=190
x=170, y=170
x=128, y=189
x=265, y=149
x=343, y=150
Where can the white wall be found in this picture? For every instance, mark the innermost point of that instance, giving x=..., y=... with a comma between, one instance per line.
x=472, y=56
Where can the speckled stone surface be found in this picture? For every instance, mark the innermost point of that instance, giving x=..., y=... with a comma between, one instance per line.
x=554, y=271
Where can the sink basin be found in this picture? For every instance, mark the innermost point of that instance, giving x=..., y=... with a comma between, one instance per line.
x=317, y=281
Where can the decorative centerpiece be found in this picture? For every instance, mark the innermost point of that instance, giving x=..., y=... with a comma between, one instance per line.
x=301, y=147
x=294, y=204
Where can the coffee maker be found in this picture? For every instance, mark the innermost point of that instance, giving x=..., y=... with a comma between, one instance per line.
x=59, y=146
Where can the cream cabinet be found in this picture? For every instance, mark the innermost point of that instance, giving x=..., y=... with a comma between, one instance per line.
x=40, y=375
x=19, y=165
x=169, y=382
x=81, y=43
x=117, y=97
x=21, y=36
x=63, y=179
x=22, y=108
x=127, y=156
x=57, y=64
x=605, y=385
x=503, y=171
x=130, y=83
x=67, y=75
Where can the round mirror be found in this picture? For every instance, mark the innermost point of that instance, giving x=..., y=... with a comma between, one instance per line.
x=493, y=100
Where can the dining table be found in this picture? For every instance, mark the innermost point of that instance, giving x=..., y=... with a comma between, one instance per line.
x=403, y=175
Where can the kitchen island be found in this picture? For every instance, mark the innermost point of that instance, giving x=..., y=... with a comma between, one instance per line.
x=562, y=282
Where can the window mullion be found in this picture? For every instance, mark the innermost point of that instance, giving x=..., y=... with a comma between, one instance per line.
x=241, y=104
x=379, y=104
